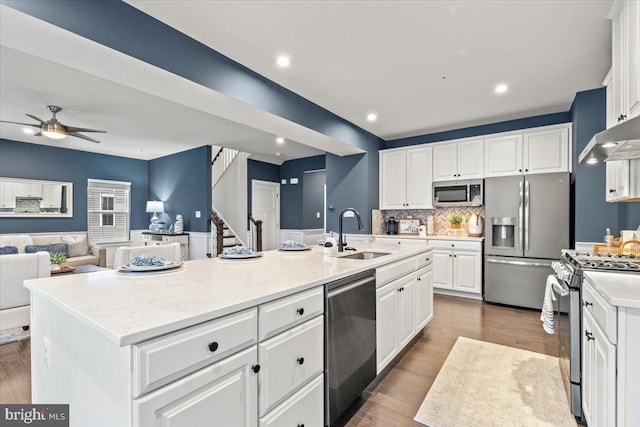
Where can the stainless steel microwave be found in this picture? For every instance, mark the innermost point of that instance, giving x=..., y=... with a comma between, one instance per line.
x=458, y=193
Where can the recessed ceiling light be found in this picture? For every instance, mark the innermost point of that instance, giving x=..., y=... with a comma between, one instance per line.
x=372, y=117
x=27, y=130
x=283, y=61
x=592, y=161
x=280, y=140
x=609, y=144
x=501, y=88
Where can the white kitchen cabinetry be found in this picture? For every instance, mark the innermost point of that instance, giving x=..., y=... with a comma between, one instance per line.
x=458, y=160
x=404, y=305
x=457, y=267
x=625, y=64
x=51, y=196
x=405, y=178
x=623, y=180
x=28, y=190
x=544, y=150
x=8, y=194
x=610, y=351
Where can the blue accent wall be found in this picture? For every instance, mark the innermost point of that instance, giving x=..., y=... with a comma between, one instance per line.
x=291, y=195
x=261, y=171
x=33, y=161
x=592, y=213
x=506, y=126
x=183, y=182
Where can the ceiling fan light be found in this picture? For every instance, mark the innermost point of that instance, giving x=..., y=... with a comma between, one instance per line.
x=53, y=134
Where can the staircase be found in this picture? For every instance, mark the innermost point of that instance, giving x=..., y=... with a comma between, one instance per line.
x=224, y=235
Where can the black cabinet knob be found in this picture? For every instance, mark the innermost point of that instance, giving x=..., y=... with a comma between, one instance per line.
x=611, y=190
x=300, y=311
x=450, y=255
x=255, y=369
x=589, y=336
x=300, y=360
x=519, y=170
x=526, y=170
x=455, y=256
x=427, y=259
x=213, y=346
x=587, y=303
x=300, y=425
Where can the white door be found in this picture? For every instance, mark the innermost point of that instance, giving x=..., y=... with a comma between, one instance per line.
x=424, y=298
x=393, y=180
x=265, y=204
x=471, y=159
x=546, y=151
x=442, y=269
x=503, y=156
x=466, y=271
x=385, y=324
x=419, y=178
x=445, y=159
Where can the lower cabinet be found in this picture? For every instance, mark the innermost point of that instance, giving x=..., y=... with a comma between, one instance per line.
x=403, y=308
x=457, y=266
x=222, y=394
x=305, y=408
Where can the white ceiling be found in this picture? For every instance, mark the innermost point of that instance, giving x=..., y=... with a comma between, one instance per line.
x=423, y=66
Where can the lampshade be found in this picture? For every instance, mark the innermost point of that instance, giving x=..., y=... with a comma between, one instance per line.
x=155, y=206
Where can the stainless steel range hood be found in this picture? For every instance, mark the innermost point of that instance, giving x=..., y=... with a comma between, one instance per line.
x=619, y=142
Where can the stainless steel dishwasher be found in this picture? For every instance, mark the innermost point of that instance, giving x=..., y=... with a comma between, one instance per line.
x=350, y=340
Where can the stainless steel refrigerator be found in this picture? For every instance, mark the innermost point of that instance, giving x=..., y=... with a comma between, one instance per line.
x=527, y=226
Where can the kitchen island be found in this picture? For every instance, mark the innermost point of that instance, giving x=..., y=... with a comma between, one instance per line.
x=144, y=351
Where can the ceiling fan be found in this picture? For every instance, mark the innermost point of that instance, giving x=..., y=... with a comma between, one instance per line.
x=52, y=128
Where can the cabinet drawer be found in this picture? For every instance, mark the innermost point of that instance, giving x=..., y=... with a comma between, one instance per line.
x=389, y=272
x=276, y=316
x=288, y=361
x=306, y=408
x=223, y=394
x=423, y=259
x=464, y=245
x=603, y=313
x=169, y=357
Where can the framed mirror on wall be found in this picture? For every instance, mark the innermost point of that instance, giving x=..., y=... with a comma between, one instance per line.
x=35, y=198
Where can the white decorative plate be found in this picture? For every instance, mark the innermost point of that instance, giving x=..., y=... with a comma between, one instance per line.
x=306, y=248
x=242, y=256
x=140, y=268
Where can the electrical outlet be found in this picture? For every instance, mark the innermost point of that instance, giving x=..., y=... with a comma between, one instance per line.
x=197, y=214
x=45, y=348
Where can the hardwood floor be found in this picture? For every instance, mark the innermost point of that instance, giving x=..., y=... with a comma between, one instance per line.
x=395, y=398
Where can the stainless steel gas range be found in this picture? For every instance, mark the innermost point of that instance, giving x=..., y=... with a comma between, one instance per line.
x=569, y=272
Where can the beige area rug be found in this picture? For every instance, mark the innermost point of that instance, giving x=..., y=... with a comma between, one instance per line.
x=485, y=384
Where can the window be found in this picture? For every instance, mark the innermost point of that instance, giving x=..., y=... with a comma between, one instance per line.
x=108, y=210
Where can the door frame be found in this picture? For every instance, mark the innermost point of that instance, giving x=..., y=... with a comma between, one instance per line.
x=276, y=185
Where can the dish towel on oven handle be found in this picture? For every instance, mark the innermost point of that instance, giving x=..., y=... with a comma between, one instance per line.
x=553, y=286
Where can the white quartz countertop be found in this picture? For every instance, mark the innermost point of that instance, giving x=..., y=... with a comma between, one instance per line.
x=130, y=309
x=431, y=236
x=619, y=289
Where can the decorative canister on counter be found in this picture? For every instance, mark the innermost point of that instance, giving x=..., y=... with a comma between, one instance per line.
x=179, y=225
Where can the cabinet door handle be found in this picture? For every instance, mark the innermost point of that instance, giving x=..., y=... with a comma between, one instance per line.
x=621, y=117
x=427, y=259
x=213, y=346
x=300, y=425
x=526, y=170
x=611, y=190
x=419, y=279
x=300, y=360
x=587, y=303
x=455, y=256
x=300, y=311
x=589, y=336
x=519, y=170
x=450, y=255
x=255, y=369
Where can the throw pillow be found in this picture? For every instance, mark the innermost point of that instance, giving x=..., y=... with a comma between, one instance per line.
x=77, y=244
x=8, y=250
x=60, y=248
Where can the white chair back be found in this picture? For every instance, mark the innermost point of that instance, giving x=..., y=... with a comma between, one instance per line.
x=124, y=254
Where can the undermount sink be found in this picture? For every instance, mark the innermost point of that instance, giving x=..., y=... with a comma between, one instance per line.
x=365, y=255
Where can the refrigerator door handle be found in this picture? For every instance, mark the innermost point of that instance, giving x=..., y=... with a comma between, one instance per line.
x=527, y=214
x=531, y=264
x=520, y=217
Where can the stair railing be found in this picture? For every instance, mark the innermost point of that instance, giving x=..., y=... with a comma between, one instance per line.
x=258, y=226
x=219, y=224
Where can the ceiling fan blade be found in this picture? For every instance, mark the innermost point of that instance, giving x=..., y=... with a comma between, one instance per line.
x=35, y=118
x=78, y=135
x=18, y=123
x=72, y=129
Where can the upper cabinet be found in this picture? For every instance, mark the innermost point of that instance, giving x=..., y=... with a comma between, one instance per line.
x=537, y=151
x=625, y=62
x=405, y=178
x=458, y=160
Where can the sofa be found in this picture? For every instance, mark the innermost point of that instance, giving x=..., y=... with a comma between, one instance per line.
x=80, y=250
x=14, y=297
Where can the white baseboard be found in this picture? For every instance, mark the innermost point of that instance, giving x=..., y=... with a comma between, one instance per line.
x=457, y=293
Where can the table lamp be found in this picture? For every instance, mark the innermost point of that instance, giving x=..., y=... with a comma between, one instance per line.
x=154, y=207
